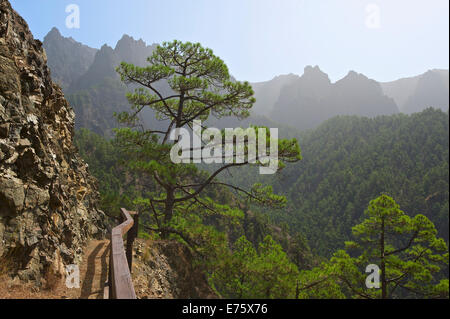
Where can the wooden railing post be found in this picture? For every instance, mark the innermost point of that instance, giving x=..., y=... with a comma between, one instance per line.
x=131, y=236
x=109, y=293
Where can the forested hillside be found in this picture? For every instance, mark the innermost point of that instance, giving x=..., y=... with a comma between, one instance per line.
x=311, y=186
x=257, y=236
x=347, y=161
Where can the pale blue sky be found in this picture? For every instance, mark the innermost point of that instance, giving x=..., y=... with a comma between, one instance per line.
x=259, y=39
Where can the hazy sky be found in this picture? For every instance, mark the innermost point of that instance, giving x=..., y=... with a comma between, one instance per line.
x=259, y=39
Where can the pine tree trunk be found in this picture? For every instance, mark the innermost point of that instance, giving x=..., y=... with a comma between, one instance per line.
x=168, y=212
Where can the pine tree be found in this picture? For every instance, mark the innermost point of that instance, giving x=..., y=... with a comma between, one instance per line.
x=200, y=86
x=406, y=250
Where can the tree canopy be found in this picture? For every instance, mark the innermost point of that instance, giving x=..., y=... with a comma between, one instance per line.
x=200, y=86
x=409, y=256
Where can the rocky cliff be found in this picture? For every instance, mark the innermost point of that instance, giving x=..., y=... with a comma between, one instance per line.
x=47, y=197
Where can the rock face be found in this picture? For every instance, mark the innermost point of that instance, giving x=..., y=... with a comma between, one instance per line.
x=47, y=197
x=164, y=270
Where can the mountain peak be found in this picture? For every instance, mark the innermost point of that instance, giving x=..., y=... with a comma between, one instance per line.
x=127, y=42
x=68, y=59
x=106, y=47
x=53, y=34
x=132, y=50
x=310, y=68
x=315, y=75
x=55, y=30
x=353, y=75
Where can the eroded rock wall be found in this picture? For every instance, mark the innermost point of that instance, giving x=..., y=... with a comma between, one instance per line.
x=47, y=197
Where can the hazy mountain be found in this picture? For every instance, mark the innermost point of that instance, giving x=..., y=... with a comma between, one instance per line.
x=414, y=94
x=306, y=101
x=268, y=92
x=312, y=98
x=67, y=59
x=356, y=94
x=134, y=51
x=98, y=93
x=107, y=59
x=92, y=86
x=400, y=90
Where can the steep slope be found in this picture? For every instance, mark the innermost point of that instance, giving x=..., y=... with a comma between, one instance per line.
x=133, y=51
x=348, y=161
x=47, y=197
x=67, y=59
x=356, y=94
x=400, y=90
x=302, y=102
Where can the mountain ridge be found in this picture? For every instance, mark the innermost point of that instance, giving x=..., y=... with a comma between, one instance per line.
x=303, y=101
x=67, y=58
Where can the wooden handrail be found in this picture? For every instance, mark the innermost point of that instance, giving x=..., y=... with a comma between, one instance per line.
x=120, y=284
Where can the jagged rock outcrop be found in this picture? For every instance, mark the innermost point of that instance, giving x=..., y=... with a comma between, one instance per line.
x=47, y=197
x=68, y=59
x=96, y=91
x=99, y=92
